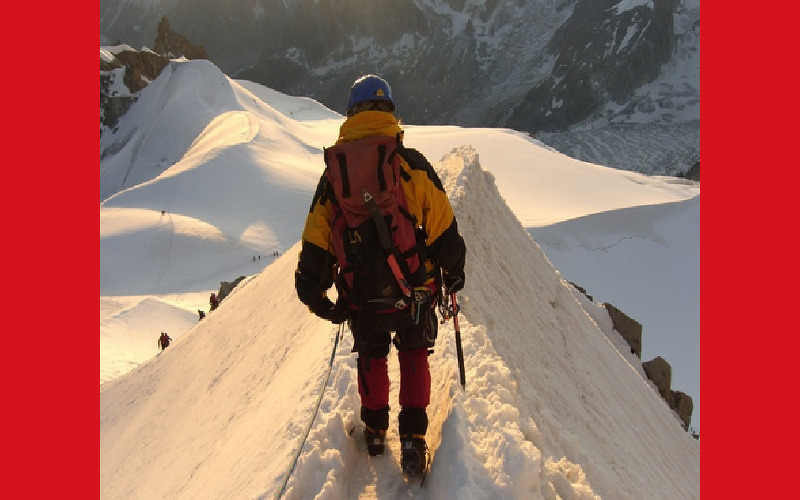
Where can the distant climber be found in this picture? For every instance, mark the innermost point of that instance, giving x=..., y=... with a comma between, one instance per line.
x=201, y=313
x=163, y=341
x=213, y=301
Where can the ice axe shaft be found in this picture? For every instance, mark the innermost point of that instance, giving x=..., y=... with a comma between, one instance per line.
x=459, y=351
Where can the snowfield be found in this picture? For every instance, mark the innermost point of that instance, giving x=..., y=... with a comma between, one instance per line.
x=260, y=400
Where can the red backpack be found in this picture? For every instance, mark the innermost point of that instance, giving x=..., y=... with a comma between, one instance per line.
x=378, y=243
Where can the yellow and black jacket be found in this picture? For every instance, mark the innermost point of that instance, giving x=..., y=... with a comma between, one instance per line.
x=426, y=199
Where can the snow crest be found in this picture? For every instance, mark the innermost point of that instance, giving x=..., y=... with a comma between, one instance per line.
x=481, y=425
x=247, y=390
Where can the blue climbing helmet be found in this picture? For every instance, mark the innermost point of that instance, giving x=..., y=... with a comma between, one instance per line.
x=369, y=88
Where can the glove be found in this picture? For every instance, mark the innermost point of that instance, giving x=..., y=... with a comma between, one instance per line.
x=335, y=313
x=453, y=282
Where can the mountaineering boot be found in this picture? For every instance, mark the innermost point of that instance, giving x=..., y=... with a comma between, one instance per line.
x=413, y=424
x=414, y=458
x=374, y=439
x=375, y=424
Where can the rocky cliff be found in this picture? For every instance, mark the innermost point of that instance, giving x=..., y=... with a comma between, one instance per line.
x=579, y=74
x=125, y=71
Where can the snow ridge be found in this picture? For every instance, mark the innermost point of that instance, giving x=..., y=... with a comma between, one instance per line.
x=223, y=411
x=482, y=425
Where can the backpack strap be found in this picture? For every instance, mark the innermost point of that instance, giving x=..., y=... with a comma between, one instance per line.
x=386, y=244
x=381, y=159
x=345, y=177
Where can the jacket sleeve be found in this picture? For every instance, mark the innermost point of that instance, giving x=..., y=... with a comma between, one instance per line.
x=314, y=273
x=445, y=244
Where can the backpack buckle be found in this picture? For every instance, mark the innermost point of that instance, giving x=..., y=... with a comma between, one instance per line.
x=421, y=295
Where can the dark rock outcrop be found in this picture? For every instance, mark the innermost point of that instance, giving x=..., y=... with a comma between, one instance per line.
x=141, y=67
x=629, y=328
x=684, y=406
x=582, y=290
x=693, y=174
x=538, y=67
x=660, y=372
x=226, y=287
x=657, y=370
x=174, y=45
x=601, y=55
x=137, y=69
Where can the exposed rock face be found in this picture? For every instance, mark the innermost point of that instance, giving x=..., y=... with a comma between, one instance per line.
x=629, y=328
x=582, y=290
x=141, y=67
x=660, y=372
x=693, y=174
x=112, y=107
x=174, y=45
x=602, y=54
x=544, y=67
x=684, y=406
x=136, y=69
x=226, y=287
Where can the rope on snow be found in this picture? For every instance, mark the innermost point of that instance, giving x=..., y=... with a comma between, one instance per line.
x=313, y=417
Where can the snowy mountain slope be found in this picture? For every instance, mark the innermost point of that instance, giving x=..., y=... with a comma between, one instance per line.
x=657, y=130
x=544, y=351
x=248, y=149
x=207, y=416
x=620, y=256
x=544, y=186
x=128, y=325
x=131, y=155
x=226, y=215
x=652, y=149
x=211, y=233
x=551, y=407
x=522, y=65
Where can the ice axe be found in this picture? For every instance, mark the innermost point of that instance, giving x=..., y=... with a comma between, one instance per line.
x=459, y=351
x=447, y=311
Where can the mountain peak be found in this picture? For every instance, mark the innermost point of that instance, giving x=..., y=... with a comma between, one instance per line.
x=539, y=67
x=174, y=45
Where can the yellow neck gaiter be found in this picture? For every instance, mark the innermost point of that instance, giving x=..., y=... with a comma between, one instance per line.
x=369, y=124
